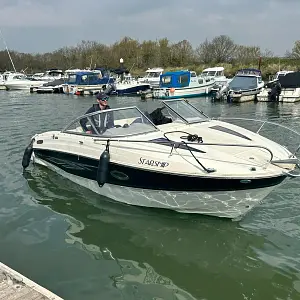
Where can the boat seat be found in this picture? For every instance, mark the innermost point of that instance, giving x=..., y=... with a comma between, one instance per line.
x=157, y=117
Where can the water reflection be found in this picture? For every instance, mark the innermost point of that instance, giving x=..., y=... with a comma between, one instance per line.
x=164, y=255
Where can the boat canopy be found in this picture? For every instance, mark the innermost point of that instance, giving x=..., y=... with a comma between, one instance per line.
x=176, y=79
x=290, y=80
x=127, y=121
x=243, y=83
x=88, y=78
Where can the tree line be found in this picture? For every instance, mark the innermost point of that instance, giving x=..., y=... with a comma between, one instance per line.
x=138, y=56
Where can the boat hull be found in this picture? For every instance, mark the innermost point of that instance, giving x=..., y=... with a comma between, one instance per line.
x=23, y=85
x=289, y=96
x=132, y=90
x=228, y=198
x=178, y=93
x=81, y=89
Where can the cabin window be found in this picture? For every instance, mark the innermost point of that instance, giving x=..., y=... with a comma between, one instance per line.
x=166, y=79
x=18, y=77
x=72, y=78
x=183, y=79
x=84, y=78
x=93, y=77
x=200, y=81
x=193, y=74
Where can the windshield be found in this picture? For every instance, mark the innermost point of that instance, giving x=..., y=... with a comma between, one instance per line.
x=243, y=83
x=185, y=110
x=152, y=74
x=112, y=123
x=71, y=78
x=208, y=73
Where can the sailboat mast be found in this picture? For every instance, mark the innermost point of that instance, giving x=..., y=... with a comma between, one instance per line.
x=7, y=50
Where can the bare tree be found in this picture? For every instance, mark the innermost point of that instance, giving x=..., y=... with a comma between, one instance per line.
x=204, y=52
x=296, y=50
x=267, y=53
x=220, y=49
x=247, y=54
x=223, y=48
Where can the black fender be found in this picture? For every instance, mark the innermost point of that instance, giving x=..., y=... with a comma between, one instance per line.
x=27, y=155
x=102, y=171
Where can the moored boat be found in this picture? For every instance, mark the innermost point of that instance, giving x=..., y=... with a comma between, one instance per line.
x=245, y=86
x=182, y=84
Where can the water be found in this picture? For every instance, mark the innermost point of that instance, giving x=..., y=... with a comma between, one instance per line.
x=81, y=246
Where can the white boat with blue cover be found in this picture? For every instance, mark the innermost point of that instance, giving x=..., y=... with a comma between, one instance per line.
x=173, y=157
x=87, y=82
x=182, y=84
x=245, y=86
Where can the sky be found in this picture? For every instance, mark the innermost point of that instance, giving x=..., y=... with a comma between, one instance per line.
x=38, y=26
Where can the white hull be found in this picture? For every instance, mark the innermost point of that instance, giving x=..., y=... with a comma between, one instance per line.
x=243, y=98
x=286, y=95
x=23, y=85
x=82, y=90
x=164, y=93
x=226, y=204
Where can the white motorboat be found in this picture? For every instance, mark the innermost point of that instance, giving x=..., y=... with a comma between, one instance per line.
x=126, y=85
x=174, y=158
x=183, y=84
x=217, y=74
x=245, y=86
x=285, y=88
x=152, y=77
x=19, y=81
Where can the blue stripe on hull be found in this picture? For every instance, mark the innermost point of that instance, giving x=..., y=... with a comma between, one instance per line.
x=183, y=96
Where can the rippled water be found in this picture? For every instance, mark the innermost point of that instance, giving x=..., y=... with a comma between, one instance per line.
x=82, y=246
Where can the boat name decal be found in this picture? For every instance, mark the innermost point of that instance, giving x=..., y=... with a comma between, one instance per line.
x=153, y=163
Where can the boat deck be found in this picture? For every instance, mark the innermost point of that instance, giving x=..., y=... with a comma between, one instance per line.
x=14, y=286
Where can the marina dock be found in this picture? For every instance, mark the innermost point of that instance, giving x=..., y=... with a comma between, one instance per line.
x=15, y=286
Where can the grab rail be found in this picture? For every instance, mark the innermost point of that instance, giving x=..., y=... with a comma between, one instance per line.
x=177, y=144
x=260, y=128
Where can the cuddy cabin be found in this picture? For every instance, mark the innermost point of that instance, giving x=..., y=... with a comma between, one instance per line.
x=279, y=74
x=286, y=88
x=126, y=85
x=245, y=85
x=182, y=84
x=86, y=82
x=216, y=73
x=49, y=75
x=152, y=77
x=173, y=157
x=20, y=81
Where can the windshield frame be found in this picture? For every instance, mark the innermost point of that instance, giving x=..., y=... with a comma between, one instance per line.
x=165, y=102
x=65, y=129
